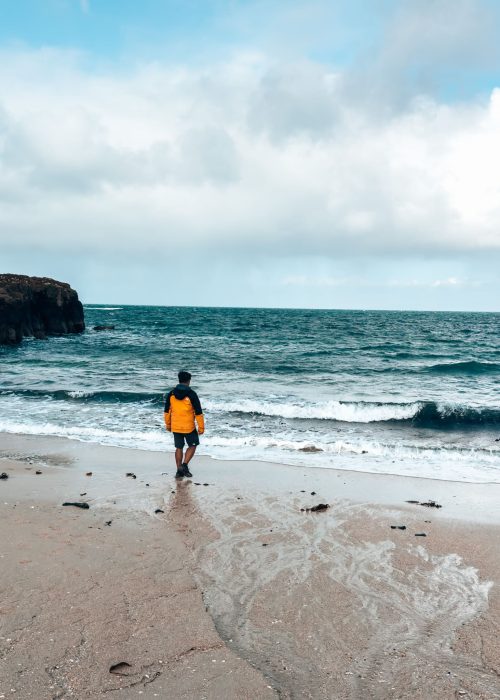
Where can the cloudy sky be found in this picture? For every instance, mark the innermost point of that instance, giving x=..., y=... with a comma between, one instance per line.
x=320, y=153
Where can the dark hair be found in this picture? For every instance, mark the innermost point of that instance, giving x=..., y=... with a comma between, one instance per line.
x=184, y=377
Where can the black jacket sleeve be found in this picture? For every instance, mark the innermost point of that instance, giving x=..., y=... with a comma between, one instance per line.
x=195, y=401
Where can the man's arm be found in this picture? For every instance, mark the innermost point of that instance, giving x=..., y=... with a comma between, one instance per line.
x=198, y=413
x=167, y=413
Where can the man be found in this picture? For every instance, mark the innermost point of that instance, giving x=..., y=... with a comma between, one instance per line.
x=182, y=415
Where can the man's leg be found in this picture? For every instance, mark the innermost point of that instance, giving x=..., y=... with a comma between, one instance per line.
x=189, y=454
x=178, y=457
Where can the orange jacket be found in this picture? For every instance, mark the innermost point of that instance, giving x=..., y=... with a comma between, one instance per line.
x=182, y=411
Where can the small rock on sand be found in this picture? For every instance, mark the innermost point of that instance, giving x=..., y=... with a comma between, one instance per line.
x=320, y=506
x=427, y=504
x=4, y=476
x=77, y=504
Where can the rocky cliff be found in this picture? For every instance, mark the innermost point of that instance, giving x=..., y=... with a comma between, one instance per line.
x=37, y=306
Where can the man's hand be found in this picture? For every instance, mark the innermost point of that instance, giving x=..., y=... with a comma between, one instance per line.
x=200, y=423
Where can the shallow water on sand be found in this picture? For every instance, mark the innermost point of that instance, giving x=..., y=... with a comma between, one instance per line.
x=336, y=599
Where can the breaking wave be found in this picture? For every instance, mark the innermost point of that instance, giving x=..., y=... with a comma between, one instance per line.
x=427, y=414
x=348, y=412
x=453, y=462
x=85, y=396
x=424, y=414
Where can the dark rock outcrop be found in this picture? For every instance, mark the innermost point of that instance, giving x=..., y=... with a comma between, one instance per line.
x=37, y=306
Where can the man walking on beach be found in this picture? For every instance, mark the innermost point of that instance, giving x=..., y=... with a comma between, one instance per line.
x=183, y=415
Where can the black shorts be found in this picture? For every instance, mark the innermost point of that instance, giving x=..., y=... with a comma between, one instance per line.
x=191, y=439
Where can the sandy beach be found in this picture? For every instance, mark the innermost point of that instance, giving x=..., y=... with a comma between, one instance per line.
x=264, y=235
x=235, y=590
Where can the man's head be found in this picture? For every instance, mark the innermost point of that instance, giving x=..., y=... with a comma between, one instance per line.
x=184, y=377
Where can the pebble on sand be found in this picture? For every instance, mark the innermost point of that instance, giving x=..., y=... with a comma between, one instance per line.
x=315, y=509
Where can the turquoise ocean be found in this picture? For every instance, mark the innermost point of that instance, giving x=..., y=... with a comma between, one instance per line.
x=409, y=393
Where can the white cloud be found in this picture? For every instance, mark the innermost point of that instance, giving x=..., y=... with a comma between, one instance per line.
x=249, y=156
x=427, y=47
x=319, y=280
x=457, y=282
x=448, y=282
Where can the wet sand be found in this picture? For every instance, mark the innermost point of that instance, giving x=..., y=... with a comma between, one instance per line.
x=78, y=596
x=233, y=592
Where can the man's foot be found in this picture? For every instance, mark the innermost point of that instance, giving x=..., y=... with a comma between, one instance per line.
x=185, y=471
x=179, y=474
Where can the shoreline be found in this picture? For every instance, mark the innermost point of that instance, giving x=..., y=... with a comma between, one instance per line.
x=470, y=501
x=319, y=605
x=246, y=461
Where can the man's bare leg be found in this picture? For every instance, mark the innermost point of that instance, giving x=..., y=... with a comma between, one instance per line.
x=178, y=458
x=189, y=454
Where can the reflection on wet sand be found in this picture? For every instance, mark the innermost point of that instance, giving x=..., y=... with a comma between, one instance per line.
x=335, y=604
